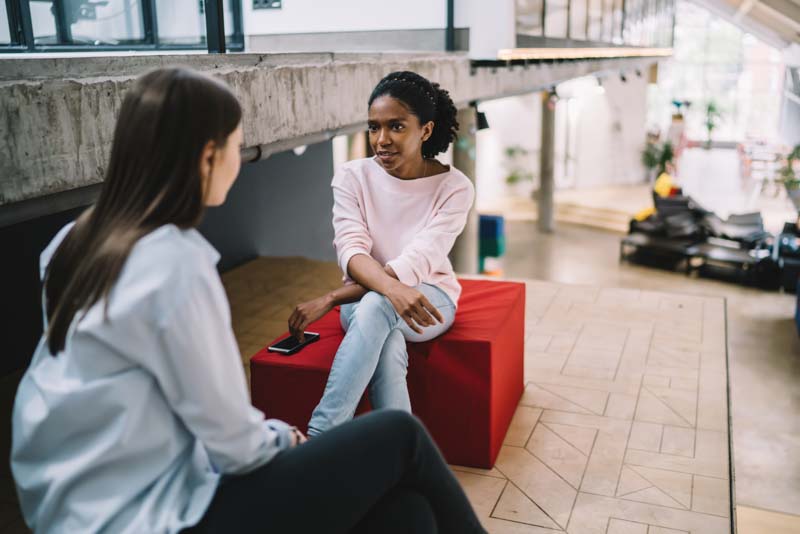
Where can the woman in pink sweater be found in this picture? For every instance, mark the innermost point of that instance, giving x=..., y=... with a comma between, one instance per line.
x=395, y=218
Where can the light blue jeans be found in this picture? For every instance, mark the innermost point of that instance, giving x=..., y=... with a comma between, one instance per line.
x=373, y=354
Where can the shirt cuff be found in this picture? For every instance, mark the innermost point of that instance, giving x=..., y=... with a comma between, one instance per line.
x=402, y=268
x=283, y=430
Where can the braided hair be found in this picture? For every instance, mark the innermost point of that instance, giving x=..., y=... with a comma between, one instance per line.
x=427, y=101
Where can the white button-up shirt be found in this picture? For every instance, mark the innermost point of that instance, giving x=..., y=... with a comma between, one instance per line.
x=129, y=428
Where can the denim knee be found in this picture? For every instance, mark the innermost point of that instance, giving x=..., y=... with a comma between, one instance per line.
x=374, y=300
x=374, y=305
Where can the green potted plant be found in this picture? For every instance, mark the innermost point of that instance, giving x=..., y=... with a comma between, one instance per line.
x=655, y=158
x=789, y=176
x=713, y=115
x=666, y=157
x=517, y=165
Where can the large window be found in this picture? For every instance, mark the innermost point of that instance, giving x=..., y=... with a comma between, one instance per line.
x=183, y=22
x=716, y=62
x=72, y=22
x=608, y=20
x=577, y=19
x=616, y=36
x=556, y=18
x=530, y=17
x=52, y=25
x=595, y=25
x=632, y=31
x=5, y=29
x=629, y=22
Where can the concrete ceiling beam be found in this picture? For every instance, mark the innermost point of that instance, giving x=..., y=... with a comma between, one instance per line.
x=755, y=22
x=57, y=115
x=787, y=8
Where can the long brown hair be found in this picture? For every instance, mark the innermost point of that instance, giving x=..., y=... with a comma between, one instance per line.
x=153, y=179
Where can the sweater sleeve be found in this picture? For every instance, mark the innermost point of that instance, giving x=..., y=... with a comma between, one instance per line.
x=428, y=251
x=351, y=235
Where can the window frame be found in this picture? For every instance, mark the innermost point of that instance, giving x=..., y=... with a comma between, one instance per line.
x=22, y=39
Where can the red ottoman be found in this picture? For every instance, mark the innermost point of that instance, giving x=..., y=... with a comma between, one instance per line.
x=464, y=385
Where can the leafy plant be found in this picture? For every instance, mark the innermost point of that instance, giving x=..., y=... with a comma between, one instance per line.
x=656, y=156
x=650, y=155
x=518, y=171
x=787, y=173
x=713, y=115
x=667, y=156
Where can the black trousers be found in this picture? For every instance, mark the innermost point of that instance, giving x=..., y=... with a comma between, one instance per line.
x=379, y=473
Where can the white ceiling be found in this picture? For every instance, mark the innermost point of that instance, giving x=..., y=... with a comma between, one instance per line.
x=776, y=22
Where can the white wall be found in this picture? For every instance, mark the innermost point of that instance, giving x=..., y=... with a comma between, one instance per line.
x=791, y=55
x=606, y=136
x=790, y=122
x=492, y=28
x=465, y=11
x=610, y=133
x=280, y=206
x=313, y=16
x=512, y=121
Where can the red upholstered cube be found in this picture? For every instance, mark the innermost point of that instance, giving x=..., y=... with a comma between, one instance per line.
x=464, y=385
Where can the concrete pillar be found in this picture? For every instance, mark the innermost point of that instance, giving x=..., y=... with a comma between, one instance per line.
x=465, y=250
x=546, y=186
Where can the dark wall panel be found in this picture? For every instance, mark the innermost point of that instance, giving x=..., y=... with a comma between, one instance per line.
x=278, y=207
x=20, y=307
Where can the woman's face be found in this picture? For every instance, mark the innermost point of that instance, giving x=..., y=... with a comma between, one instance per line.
x=219, y=167
x=396, y=136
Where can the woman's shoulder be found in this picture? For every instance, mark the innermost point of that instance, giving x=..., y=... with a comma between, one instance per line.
x=167, y=242
x=175, y=249
x=181, y=256
x=455, y=179
x=50, y=249
x=356, y=167
x=353, y=174
x=163, y=267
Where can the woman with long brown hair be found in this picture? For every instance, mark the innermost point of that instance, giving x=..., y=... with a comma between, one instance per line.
x=134, y=415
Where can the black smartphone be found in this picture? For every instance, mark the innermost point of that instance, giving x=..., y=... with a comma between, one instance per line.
x=290, y=345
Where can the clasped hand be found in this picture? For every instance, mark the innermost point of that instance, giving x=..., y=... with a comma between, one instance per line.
x=413, y=307
x=409, y=303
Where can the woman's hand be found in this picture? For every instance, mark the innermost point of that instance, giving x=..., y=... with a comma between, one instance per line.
x=308, y=312
x=297, y=437
x=414, y=307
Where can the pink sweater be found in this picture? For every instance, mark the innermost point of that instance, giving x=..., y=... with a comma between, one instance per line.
x=410, y=225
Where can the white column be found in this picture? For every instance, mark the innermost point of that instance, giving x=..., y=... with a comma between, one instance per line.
x=546, y=220
x=465, y=250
